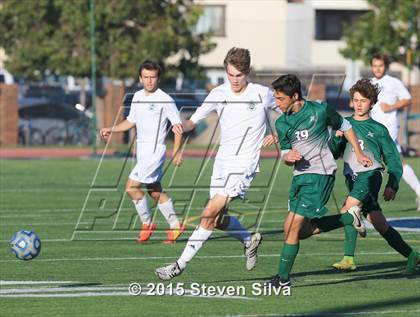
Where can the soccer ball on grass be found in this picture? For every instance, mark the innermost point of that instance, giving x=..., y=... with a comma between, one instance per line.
x=25, y=244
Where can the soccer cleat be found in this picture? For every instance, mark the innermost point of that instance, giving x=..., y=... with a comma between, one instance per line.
x=251, y=251
x=276, y=281
x=173, y=234
x=412, y=262
x=145, y=232
x=358, y=221
x=345, y=265
x=418, y=203
x=168, y=272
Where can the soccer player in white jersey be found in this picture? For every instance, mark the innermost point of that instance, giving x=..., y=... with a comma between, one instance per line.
x=242, y=108
x=393, y=96
x=150, y=110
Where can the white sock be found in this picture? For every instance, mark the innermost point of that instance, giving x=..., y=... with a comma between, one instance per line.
x=236, y=230
x=411, y=179
x=143, y=210
x=195, y=242
x=168, y=211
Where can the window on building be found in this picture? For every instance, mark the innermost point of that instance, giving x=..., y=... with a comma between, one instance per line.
x=329, y=24
x=212, y=20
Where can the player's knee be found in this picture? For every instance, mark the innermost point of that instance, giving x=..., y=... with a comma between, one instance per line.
x=208, y=217
x=222, y=222
x=134, y=192
x=155, y=195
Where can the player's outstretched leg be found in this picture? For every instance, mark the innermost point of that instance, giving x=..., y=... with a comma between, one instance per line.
x=200, y=235
x=395, y=240
x=194, y=244
x=234, y=228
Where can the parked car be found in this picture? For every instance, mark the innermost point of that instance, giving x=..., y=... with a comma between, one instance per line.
x=42, y=121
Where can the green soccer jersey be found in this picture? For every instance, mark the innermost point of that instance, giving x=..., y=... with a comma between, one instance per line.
x=307, y=132
x=375, y=141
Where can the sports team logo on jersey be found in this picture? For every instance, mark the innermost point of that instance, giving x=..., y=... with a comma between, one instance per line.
x=252, y=106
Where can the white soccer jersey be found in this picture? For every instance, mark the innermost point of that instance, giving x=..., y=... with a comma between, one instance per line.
x=151, y=114
x=242, y=120
x=391, y=91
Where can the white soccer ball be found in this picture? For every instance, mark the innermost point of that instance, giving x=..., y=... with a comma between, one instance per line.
x=25, y=244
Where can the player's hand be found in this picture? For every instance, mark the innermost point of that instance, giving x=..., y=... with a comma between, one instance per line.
x=339, y=134
x=270, y=140
x=177, y=129
x=389, y=194
x=177, y=159
x=364, y=160
x=105, y=133
x=292, y=156
x=386, y=107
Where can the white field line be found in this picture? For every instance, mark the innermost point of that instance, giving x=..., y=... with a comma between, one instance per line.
x=98, y=294
x=95, y=291
x=2, y=282
x=11, y=291
x=320, y=237
x=198, y=257
x=333, y=314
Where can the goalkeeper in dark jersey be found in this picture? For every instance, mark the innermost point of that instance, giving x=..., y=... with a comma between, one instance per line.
x=364, y=183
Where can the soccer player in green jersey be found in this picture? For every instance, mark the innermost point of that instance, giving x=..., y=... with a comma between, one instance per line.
x=303, y=135
x=364, y=183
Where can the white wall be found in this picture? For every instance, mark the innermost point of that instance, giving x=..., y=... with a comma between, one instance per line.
x=300, y=32
x=259, y=26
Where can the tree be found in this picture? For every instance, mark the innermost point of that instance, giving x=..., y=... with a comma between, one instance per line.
x=392, y=27
x=53, y=35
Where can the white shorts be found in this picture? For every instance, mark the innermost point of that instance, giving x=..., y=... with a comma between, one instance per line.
x=150, y=161
x=230, y=181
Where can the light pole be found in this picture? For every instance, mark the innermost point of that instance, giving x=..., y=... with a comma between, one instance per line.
x=93, y=70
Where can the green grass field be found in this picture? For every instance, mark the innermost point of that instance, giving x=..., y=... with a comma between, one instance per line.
x=89, y=275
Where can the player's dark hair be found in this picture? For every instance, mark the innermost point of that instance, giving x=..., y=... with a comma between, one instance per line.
x=240, y=58
x=368, y=90
x=150, y=65
x=381, y=57
x=288, y=84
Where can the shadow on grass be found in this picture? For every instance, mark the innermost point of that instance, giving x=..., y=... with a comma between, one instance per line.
x=388, y=271
x=79, y=285
x=378, y=307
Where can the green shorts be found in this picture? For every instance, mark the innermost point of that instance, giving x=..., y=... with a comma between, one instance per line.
x=309, y=193
x=365, y=187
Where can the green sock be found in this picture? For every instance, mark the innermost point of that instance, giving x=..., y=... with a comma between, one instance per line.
x=287, y=259
x=328, y=223
x=350, y=241
x=346, y=219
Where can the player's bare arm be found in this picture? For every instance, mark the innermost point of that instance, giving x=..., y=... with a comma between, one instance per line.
x=121, y=127
x=361, y=157
x=401, y=104
x=176, y=152
x=270, y=140
x=291, y=157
